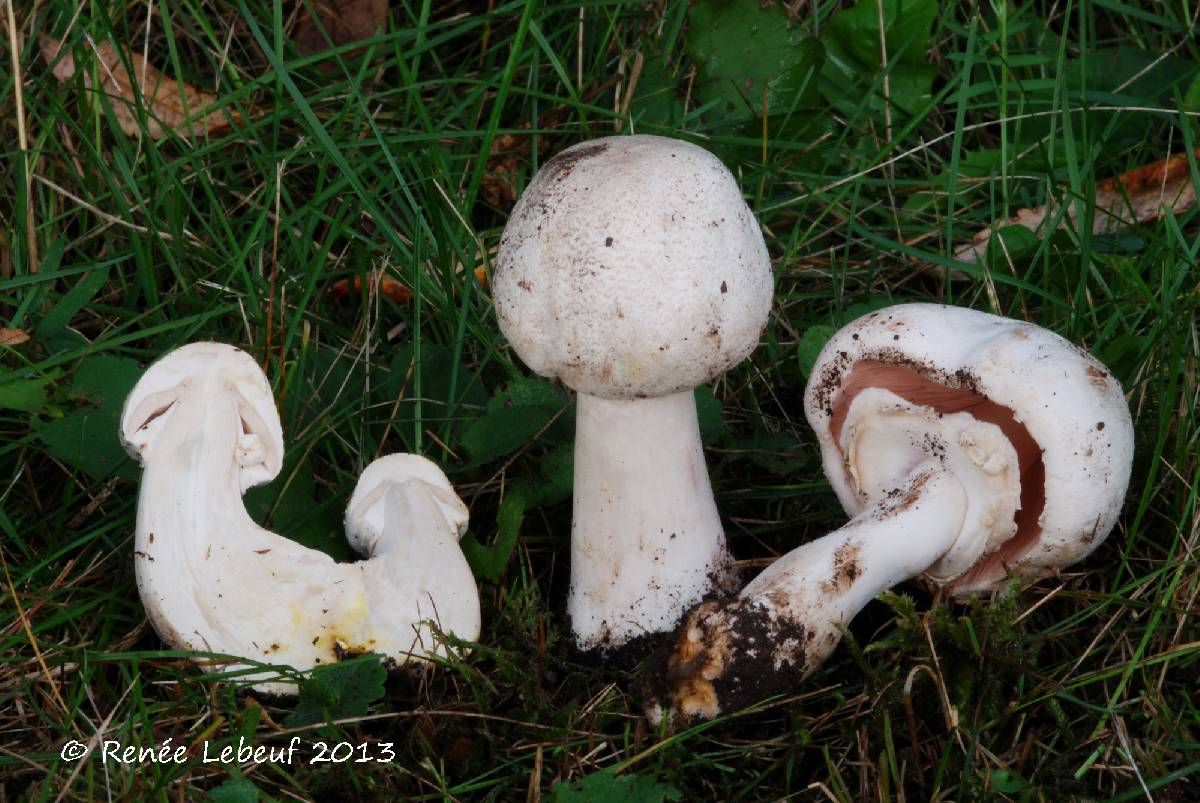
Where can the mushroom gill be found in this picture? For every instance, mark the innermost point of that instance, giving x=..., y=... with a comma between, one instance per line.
x=916, y=388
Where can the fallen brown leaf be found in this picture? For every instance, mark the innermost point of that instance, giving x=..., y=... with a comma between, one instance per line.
x=13, y=337
x=342, y=20
x=171, y=106
x=1139, y=196
x=387, y=285
x=390, y=287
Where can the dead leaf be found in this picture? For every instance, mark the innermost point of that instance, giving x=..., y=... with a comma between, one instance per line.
x=13, y=337
x=458, y=751
x=342, y=21
x=170, y=106
x=1139, y=196
x=387, y=285
x=391, y=288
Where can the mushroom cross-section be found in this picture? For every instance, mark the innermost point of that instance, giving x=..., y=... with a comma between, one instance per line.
x=203, y=423
x=968, y=448
x=632, y=270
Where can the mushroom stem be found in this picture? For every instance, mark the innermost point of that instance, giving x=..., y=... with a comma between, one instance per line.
x=788, y=620
x=646, y=542
x=825, y=583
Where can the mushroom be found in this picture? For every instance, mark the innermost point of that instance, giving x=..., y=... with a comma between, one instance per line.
x=632, y=270
x=203, y=423
x=968, y=448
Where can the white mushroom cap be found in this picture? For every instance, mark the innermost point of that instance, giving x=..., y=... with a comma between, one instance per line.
x=1066, y=400
x=211, y=579
x=631, y=267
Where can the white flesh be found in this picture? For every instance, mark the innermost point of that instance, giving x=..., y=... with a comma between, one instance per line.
x=212, y=579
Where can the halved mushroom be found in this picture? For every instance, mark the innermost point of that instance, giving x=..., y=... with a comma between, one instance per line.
x=203, y=423
x=632, y=270
x=967, y=447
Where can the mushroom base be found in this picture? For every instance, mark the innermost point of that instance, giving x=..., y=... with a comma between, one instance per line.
x=713, y=663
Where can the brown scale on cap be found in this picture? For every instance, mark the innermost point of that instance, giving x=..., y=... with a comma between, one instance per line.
x=915, y=388
x=562, y=164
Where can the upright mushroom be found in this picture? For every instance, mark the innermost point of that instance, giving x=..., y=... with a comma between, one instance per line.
x=632, y=270
x=203, y=423
x=967, y=448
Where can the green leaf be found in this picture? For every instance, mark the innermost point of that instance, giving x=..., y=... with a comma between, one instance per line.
x=24, y=395
x=607, y=787
x=336, y=378
x=488, y=562
x=752, y=60
x=436, y=372
x=811, y=342
x=861, y=308
x=512, y=418
x=794, y=102
x=711, y=415
x=87, y=438
x=780, y=453
x=1123, y=354
x=656, y=100
x=1010, y=243
x=338, y=691
x=852, y=44
x=52, y=327
x=1135, y=73
x=235, y=790
x=1111, y=76
x=1007, y=782
x=1191, y=98
x=556, y=476
x=553, y=483
x=980, y=163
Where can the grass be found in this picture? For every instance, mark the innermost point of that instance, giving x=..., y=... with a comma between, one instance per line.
x=116, y=249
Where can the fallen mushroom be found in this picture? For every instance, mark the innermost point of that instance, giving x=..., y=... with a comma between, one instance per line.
x=632, y=270
x=203, y=423
x=967, y=447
